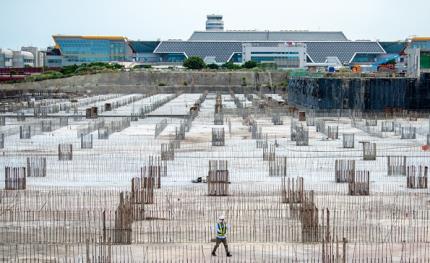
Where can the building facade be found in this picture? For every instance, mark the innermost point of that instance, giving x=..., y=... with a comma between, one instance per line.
x=143, y=51
x=317, y=52
x=286, y=49
x=87, y=49
x=38, y=55
x=22, y=59
x=311, y=48
x=53, y=58
x=6, y=56
x=285, y=55
x=418, y=56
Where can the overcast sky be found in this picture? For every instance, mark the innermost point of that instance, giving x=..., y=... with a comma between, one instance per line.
x=33, y=22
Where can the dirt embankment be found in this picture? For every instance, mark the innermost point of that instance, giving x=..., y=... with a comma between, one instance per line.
x=157, y=81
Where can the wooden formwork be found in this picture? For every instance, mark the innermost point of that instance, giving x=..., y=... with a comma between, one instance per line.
x=25, y=132
x=36, y=166
x=344, y=169
x=333, y=132
x=108, y=106
x=218, y=178
x=65, y=152
x=417, y=177
x=15, y=178
x=358, y=183
x=409, y=133
x=91, y=113
x=86, y=141
x=46, y=126
x=369, y=151
x=387, y=126
x=348, y=140
x=302, y=116
x=396, y=165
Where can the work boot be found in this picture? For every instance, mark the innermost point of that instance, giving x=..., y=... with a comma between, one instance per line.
x=213, y=254
x=228, y=254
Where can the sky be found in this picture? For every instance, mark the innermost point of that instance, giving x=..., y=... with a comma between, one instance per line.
x=33, y=22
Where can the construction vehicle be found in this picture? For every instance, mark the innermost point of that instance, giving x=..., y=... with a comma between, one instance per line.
x=386, y=64
x=356, y=69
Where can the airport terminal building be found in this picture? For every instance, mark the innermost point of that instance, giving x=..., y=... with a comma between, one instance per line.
x=289, y=49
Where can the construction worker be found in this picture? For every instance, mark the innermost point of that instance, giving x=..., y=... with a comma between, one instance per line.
x=221, y=236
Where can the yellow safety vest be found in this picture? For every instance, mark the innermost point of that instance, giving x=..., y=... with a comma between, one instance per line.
x=221, y=230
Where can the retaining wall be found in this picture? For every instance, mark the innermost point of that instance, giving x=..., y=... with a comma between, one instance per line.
x=367, y=94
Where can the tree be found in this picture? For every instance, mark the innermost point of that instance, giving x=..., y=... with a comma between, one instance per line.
x=213, y=66
x=194, y=63
x=250, y=64
x=230, y=65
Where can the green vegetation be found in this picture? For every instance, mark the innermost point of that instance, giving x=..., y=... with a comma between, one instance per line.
x=250, y=64
x=46, y=75
x=231, y=66
x=213, y=66
x=74, y=70
x=194, y=63
x=197, y=63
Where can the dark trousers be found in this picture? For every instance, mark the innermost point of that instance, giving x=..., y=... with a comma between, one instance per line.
x=219, y=241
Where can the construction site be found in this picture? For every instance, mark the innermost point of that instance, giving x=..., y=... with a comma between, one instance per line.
x=144, y=177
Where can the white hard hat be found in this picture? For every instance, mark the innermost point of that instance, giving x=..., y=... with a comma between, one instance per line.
x=221, y=217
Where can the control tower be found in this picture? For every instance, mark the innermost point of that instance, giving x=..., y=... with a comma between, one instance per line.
x=214, y=23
